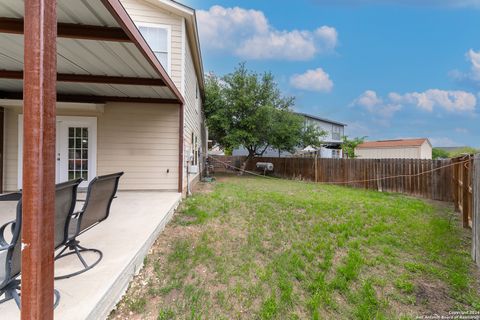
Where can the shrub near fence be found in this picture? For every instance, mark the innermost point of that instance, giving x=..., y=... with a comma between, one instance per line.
x=424, y=178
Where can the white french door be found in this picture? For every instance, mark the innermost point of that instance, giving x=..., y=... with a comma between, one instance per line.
x=76, y=149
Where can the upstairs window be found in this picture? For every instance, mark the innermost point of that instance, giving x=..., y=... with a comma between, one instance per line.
x=336, y=133
x=158, y=38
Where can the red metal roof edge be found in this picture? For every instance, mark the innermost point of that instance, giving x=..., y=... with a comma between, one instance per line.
x=126, y=23
x=394, y=143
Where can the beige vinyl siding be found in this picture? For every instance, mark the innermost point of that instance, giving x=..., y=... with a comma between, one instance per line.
x=139, y=139
x=193, y=114
x=388, y=153
x=426, y=151
x=142, y=12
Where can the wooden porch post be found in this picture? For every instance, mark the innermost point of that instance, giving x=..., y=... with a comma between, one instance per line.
x=39, y=96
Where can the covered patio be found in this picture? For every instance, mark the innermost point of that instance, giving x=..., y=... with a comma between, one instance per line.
x=125, y=237
x=82, y=94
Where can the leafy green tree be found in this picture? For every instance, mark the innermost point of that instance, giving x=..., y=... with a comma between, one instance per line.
x=312, y=136
x=438, y=153
x=290, y=133
x=349, y=145
x=246, y=109
x=462, y=151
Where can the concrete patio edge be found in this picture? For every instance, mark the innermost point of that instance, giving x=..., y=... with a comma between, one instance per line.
x=114, y=294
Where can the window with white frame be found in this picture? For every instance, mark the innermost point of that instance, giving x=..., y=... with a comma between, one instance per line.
x=158, y=38
x=336, y=133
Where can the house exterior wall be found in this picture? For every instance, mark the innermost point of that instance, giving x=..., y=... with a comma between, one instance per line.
x=193, y=116
x=139, y=139
x=388, y=153
x=420, y=152
x=142, y=12
x=335, y=132
x=426, y=151
x=184, y=76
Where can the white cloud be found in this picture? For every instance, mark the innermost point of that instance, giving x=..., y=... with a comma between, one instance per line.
x=453, y=101
x=474, y=58
x=374, y=104
x=429, y=100
x=248, y=34
x=312, y=80
x=369, y=100
x=472, y=76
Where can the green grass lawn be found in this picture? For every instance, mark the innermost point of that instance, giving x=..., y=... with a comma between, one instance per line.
x=252, y=248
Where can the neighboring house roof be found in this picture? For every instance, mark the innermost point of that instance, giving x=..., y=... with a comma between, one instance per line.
x=394, y=143
x=321, y=119
x=192, y=30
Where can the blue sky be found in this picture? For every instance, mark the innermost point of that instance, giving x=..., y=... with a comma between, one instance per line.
x=386, y=69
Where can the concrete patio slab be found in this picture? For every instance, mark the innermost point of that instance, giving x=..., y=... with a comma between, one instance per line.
x=135, y=221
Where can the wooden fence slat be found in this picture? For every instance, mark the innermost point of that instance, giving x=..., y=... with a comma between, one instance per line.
x=476, y=209
x=465, y=202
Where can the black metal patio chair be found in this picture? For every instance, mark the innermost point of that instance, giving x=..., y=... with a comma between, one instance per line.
x=100, y=194
x=10, y=251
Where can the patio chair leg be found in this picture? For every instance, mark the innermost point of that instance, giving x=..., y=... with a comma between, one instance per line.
x=11, y=291
x=16, y=296
x=56, y=298
x=80, y=257
x=61, y=252
x=75, y=248
x=14, y=293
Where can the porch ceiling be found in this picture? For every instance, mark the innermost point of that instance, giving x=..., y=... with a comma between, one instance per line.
x=100, y=55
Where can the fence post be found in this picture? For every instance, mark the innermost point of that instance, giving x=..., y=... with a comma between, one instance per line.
x=476, y=210
x=455, y=184
x=378, y=168
x=465, y=202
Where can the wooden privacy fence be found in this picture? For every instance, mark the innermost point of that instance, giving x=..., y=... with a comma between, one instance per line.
x=476, y=209
x=462, y=185
x=430, y=179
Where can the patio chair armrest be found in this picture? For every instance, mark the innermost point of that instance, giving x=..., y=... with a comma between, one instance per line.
x=5, y=247
x=76, y=214
x=3, y=242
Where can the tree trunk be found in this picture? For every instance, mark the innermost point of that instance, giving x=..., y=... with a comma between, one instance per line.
x=244, y=164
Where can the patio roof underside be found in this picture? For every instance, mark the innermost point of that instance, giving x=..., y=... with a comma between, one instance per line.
x=101, y=55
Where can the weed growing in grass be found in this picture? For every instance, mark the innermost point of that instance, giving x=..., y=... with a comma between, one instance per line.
x=166, y=314
x=136, y=305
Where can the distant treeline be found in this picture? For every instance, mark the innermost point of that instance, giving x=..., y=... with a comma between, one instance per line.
x=440, y=153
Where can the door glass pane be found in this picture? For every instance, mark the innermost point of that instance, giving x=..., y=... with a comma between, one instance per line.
x=78, y=153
